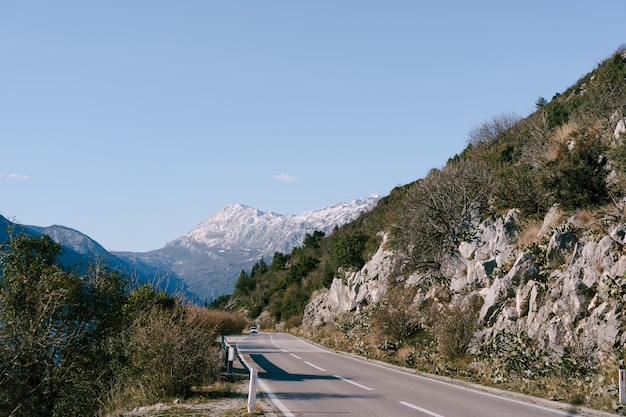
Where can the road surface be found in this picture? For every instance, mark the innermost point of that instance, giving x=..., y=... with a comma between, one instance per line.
x=302, y=379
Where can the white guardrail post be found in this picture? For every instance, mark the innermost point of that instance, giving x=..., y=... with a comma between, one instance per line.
x=622, y=385
x=231, y=358
x=252, y=390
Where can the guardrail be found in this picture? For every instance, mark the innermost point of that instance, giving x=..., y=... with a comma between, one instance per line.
x=229, y=353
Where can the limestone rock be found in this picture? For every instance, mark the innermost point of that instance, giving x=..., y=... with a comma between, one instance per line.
x=568, y=292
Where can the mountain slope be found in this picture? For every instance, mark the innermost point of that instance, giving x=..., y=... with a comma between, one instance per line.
x=210, y=257
x=506, y=266
x=79, y=251
x=204, y=263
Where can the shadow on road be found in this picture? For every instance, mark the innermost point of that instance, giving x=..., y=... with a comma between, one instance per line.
x=272, y=372
x=275, y=373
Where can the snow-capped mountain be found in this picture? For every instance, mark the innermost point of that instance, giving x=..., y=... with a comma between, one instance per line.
x=240, y=227
x=210, y=257
x=206, y=262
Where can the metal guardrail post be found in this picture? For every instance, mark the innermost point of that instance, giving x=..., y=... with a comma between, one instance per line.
x=252, y=390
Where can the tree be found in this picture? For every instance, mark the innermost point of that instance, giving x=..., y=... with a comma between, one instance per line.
x=346, y=249
x=246, y=283
x=55, y=331
x=437, y=210
x=279, y=260
x=313, y=240
x=488, y=131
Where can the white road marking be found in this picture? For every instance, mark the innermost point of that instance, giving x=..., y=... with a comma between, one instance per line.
x=275, y=399
x=295, y=356
x=315, y=366
x=286, y=412
x=423, y=410
x=455, y=386
x=353, y=383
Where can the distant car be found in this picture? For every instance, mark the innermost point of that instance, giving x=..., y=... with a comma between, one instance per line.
x=253, y=330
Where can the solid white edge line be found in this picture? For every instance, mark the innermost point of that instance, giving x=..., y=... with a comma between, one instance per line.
x=315, y=366
x=462, y=388
x=275, y=399
x=266, y=389
x=423, y=410
x=459, y=387
x=353, y=383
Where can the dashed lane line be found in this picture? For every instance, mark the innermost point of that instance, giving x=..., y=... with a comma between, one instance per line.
x=423, y=410
x=353, y=383
x=315, y=366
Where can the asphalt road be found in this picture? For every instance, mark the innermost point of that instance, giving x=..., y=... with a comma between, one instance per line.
x=302, y=379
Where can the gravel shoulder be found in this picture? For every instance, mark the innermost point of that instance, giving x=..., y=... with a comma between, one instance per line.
x=234, y=406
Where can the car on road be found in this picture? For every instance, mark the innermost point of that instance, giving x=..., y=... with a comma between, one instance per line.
x=253, y=330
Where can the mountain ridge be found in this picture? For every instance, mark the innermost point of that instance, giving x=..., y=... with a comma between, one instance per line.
x=233, y=223
x=205, y=262
x=210, y=257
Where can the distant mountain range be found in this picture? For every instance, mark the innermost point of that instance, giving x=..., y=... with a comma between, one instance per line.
x=206, y=262
x=79, y=250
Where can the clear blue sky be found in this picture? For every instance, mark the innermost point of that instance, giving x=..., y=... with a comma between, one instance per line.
x=132, y=121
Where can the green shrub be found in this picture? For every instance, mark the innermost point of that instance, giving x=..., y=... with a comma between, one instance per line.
x=577, y=179
x=57, y=331
x=346, y=249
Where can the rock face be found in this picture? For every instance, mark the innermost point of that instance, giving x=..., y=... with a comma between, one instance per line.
x=565, y=289
x=357, y=289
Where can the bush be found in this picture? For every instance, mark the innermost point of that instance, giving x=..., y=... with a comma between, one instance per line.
x=396, y=317
x=455, y=328
x=515, y=356
x=57, y=331
x=171, y=351
x=227, y=323
x=578, y=178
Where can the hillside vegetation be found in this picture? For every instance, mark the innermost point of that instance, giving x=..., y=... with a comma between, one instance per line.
x=88, y=344
x=548, y=187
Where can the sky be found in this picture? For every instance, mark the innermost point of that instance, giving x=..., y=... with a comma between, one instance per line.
x=132, y=121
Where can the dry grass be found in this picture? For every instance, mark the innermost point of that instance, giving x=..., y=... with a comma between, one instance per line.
x=596, y=391
x=563, y=133
x=218, y=400
x=529, y=233
x=584, y=218
x=555, y=142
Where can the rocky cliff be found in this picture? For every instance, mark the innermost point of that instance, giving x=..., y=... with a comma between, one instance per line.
x=561, y=282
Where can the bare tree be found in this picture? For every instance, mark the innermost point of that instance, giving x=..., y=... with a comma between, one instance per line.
x=488, y=131
x=455, y=328
x=438, y=210
x=396, y=316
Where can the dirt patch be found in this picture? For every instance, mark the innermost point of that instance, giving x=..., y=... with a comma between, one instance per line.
x=234, y=406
